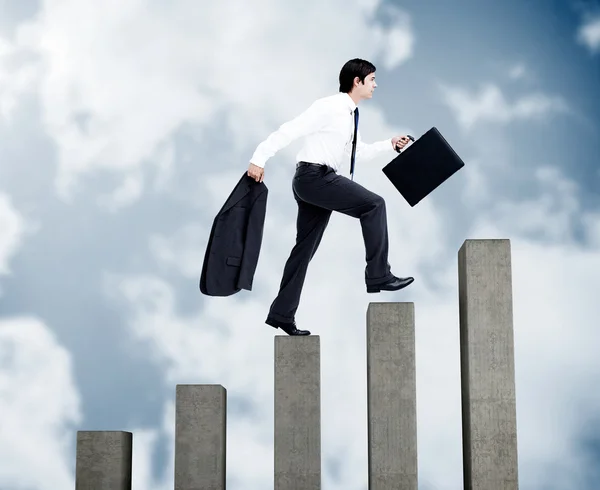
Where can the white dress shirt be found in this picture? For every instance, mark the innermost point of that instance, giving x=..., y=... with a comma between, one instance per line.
x=328, y=128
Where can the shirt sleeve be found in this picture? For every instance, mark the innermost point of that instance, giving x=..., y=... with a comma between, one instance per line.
x=367, y=151
x=309, y=121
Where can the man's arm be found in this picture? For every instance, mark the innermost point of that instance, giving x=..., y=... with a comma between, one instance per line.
x=309, y=121
x=367, y=151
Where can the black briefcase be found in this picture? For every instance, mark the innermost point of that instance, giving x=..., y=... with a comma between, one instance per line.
x=423, y=166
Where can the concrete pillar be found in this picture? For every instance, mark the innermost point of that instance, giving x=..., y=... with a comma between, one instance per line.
x=103, y=460
x=297, y=429
x=487, y=365
x=391, y=397
x=200, y=437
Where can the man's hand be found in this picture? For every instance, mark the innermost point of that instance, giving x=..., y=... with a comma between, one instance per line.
x=256, y=172
x=399, y=142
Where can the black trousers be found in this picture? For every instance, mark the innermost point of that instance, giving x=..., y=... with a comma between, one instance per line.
x=319, y=190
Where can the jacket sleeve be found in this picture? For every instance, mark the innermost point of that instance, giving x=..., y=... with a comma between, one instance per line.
x=254, y=234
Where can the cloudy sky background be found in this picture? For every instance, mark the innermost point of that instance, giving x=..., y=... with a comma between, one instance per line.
x=125, y=124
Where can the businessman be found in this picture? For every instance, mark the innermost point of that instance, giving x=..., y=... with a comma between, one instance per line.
x=332, y=139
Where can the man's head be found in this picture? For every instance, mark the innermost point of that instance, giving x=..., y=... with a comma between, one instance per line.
x=357, y=78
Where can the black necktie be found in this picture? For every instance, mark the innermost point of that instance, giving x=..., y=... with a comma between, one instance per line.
x=354, y=143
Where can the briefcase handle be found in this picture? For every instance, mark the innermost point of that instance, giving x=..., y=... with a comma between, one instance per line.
x=409, y=137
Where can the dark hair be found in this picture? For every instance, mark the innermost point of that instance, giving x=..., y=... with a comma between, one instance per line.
x=354, y=68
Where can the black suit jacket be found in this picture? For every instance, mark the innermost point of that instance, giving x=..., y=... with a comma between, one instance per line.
x=235, y=238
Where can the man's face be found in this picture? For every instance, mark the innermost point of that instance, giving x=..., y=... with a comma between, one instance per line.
x=366, y=89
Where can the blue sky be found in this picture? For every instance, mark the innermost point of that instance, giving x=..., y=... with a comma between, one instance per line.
x=123, y=130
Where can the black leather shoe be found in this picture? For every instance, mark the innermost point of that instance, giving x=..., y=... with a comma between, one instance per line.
x=287, y=327
x=392, y=285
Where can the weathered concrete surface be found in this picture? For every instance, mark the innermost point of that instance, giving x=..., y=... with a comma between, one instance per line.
x=297, y=429
x=200, y=437
x=487, y=366
x=103, y=460
x=392, y=397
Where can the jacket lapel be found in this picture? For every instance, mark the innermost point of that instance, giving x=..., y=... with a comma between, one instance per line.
x=240, y=190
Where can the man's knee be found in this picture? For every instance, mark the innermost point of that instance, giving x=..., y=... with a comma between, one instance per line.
x=377, y=201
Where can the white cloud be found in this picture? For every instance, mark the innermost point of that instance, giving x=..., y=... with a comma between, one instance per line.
x=591, y=224
x=589, y=34
x=39, y=404
x=12, y=231
x=518, y=71
x=127, y=193
x=183, y=252
x=397, y=42
x=477, y=186
x=557, y=198
x=16, y=79
x=515, y=70
x=490, y=105
x=145, y=443
x=522, y=72
x=116, y=80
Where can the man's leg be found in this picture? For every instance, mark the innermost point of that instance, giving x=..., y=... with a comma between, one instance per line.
x=310, y=225
x=326, y=189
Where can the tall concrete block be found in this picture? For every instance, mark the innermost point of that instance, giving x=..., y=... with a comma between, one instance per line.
x=103, y=460
x=297, y=429
x=200, y=437
x=487, y=366
x=391, y=397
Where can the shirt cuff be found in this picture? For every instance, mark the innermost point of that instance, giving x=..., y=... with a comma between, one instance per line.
x=258, y=160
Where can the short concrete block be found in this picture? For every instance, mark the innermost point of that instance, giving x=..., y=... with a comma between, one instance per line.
x=200, y=437
x=391, y=397
x=297, y=428
x=103, y=460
